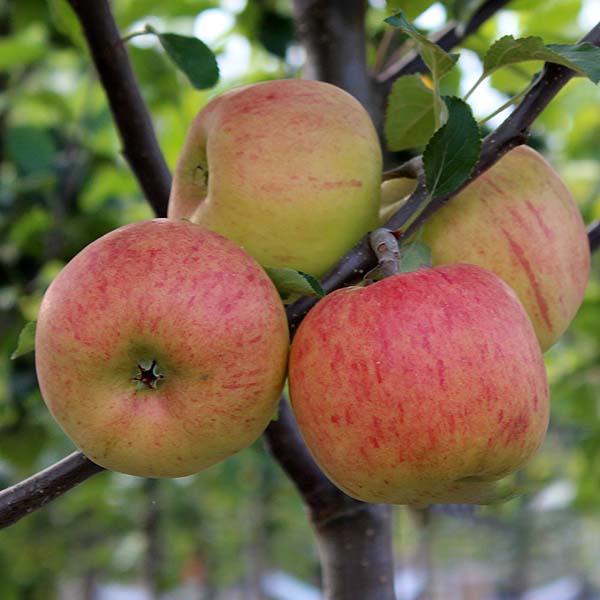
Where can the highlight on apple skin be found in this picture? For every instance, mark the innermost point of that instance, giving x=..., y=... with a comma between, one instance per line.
x=394, y=194
x=425, y=387
x=161, y=349
x=288, y=169
x=520, y=221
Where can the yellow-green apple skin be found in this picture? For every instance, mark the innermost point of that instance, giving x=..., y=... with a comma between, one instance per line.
x=289, y=169
x=394, y=194
x=425, y=387
x=520, y=221
x=190, y=300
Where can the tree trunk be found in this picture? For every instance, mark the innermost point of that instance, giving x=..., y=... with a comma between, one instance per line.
x=334, y=38
x=354, y=538
x=356, y=552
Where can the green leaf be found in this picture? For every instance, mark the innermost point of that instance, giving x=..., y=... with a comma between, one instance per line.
x=275, y=32
x=438, y=61
x=453, y=150
x=291, y=283
x=26, y=343
x=409, y=119
x=412, y=9
x=66, y=21
x=23, y=48
x=582, y=58
x=193, y=57
x=23, y=446
x=32, y=148
x=415, y=256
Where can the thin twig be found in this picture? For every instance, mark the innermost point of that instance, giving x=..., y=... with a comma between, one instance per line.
x=594, y=235
x=31, y=494
x=411, y=169
x=382, y=49
x=514, y=130
x=140, y=146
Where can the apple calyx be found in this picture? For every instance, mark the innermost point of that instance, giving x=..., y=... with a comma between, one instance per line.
x=201, y=177
x=149, y=377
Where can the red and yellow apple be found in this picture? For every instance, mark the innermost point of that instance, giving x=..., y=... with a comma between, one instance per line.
x=519, y=220
x=425, y=387
x=288, y=169
x=161, y=349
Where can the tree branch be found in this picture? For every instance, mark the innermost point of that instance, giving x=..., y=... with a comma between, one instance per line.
x=140, y=146
x=355, y=549
x=284, y=442
x=354, y=538
x=594, y=235
x=333, y=35
x=147, y=162
x=31, y=494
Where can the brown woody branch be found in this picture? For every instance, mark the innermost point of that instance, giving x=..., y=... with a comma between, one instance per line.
x=333, y=35
x=283, y=441
x=39, y=489
x=594, y=235
x=354, y=538
x=140, y=146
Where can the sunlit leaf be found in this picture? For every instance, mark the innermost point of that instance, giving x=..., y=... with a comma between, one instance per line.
x=582, y=58
x=193, y=57
x=453, y=150
x=438, y=61
x=26, y=343
x=409, y=119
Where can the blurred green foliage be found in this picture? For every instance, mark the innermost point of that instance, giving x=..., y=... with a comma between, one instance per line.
x=64, y=183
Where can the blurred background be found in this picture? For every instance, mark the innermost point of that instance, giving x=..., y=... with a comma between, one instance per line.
x=239, y=530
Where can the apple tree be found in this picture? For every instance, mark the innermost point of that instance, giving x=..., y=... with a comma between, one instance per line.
x=96, y=102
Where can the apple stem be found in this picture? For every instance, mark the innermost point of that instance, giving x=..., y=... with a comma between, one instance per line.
x=385, y=245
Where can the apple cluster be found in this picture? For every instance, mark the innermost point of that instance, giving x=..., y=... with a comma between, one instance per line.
x=162, y=347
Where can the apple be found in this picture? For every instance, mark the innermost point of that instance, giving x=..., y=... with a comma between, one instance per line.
x=394, y=194
x=519, y=220
x=288, y=169
x=425, y=387
x=161, y=349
